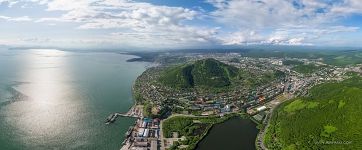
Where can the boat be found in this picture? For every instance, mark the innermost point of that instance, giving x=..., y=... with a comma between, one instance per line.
x=129, y=132
x=109, y=118
x=113, y=118
x=124, y=142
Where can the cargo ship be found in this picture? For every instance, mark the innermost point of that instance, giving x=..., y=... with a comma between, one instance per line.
x=129, y=132
x=111, y=118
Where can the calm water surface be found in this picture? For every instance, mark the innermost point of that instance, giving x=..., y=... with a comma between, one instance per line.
x=234, y=134
x=51, y=99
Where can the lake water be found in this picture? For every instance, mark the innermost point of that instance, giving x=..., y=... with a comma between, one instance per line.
x=51, y=99
x=234, y=134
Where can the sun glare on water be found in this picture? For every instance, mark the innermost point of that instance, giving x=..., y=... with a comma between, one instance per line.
x=44, y=76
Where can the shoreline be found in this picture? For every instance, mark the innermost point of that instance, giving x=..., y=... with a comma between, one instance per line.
x=135, y=111
x=125, y=145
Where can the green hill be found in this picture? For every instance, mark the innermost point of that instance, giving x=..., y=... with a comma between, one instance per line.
x=330, y=118
x=306, y=69
x=202, y=73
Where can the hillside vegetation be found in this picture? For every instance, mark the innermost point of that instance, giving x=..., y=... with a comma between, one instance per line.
x=203, y=73
x=212, y=74
x=330, y=118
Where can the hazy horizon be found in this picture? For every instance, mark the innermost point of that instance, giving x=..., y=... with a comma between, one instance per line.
x=219, y=49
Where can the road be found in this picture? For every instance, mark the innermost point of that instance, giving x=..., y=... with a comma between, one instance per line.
x=260, y=138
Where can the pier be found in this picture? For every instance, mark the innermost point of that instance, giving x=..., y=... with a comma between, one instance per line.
x=134, y=112
x=143, y=134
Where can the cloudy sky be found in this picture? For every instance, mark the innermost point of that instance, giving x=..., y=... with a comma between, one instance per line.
x=158, y=24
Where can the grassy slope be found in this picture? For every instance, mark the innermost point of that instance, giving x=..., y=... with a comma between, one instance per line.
x=331, y=113
x=343, y=58
x=306, y=69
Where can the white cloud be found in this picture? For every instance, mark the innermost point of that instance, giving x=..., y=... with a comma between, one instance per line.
x=276, y=13
x=4, y=17
x=119, y=14
x=152, y=23
x=297, y=35
x=10, y=3
x=241, y=38
x=347, y=7
x=251, y=13
x=69, y=4
x=281, y=21
x=16, y=19
x=21, y=19
x=130, y=22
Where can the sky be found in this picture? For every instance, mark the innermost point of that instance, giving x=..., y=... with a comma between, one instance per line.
x=179, y=24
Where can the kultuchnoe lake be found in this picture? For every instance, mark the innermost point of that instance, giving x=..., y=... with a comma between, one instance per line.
x=234, y=134
x=52, y=99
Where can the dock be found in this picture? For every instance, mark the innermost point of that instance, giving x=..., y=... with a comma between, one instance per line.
x=145, y=134
x=134, y=112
